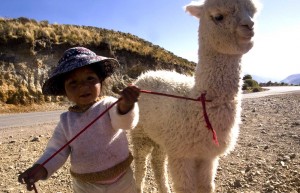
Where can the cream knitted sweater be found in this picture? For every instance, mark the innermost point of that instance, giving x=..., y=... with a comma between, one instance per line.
x=103, y=145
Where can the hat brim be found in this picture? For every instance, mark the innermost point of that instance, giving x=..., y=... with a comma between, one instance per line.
x=104, y=68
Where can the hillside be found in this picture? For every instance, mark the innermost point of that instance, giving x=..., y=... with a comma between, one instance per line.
x=292, y=79
x=29, y=50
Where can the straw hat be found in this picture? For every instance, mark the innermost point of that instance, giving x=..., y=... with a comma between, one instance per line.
x=72, y=59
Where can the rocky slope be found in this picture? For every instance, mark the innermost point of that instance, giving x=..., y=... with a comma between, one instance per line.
x=265, y=160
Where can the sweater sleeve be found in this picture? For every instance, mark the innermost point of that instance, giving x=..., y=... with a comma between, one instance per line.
x=57, y=141
x=126, y=121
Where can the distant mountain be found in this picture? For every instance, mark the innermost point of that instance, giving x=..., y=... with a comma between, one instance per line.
x=260, y=79
x=263, y=79
x=292, y=79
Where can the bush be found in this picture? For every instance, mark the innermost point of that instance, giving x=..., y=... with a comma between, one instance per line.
x=247, y=76
x=257, y=89
x=245, y=86
x=250, y=84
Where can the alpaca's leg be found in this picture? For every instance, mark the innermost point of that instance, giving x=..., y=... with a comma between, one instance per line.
x=206, y=175
x=183, y=175
x=141, y=149
x=158, y=165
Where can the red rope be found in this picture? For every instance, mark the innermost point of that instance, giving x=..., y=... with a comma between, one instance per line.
x=201, y=98
x=168, y=95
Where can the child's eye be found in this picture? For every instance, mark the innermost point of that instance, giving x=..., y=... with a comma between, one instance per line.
x=72, y=83
x=91, y=78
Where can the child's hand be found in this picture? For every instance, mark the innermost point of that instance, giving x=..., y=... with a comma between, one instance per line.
x=129, y=96
x=29, y=178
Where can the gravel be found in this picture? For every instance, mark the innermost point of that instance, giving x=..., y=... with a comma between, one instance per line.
x=266, y=158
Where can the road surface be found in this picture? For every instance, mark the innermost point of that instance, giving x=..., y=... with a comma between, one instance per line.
x=28, y=119
x=36, y=118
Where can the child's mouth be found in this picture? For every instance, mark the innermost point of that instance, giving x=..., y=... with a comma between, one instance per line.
x=84, y=95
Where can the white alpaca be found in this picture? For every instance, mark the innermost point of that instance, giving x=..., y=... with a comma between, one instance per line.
x=175, y=127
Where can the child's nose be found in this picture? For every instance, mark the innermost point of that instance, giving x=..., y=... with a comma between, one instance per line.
x=83, y=84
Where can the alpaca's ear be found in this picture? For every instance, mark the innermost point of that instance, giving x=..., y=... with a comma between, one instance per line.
x=194, y=8
x=258, y=5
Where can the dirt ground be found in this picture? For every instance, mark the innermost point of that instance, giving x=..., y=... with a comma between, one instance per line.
x=266, y=158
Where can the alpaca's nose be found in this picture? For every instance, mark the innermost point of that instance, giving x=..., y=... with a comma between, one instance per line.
x=248, y=22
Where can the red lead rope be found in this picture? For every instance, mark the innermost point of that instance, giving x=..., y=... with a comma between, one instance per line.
x=202, y=99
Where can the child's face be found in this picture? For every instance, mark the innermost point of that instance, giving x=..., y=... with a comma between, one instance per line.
x=82, y=86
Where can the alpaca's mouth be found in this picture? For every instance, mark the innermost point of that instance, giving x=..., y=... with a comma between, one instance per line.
x=248, y=35
x=245, y=38
x=245, y=34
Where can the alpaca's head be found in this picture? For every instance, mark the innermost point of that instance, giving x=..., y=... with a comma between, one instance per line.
x=226, y=26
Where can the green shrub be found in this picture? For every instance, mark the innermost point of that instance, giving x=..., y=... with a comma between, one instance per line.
x=245, y=86
x=247, y=76
x=256, y=89
x=251, y=83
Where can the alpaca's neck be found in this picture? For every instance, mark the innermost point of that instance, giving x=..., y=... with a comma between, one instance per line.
x=218, y=74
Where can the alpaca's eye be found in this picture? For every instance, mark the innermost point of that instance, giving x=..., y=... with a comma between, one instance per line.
x=218, y=17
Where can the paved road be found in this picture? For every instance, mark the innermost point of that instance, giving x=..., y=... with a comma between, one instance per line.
x=29, y=119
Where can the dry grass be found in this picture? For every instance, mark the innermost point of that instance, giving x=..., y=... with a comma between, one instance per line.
x=29, y=31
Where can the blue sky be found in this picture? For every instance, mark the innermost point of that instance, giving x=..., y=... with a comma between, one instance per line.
x=164, y=23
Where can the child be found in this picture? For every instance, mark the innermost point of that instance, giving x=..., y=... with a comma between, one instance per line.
x=100, y=157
